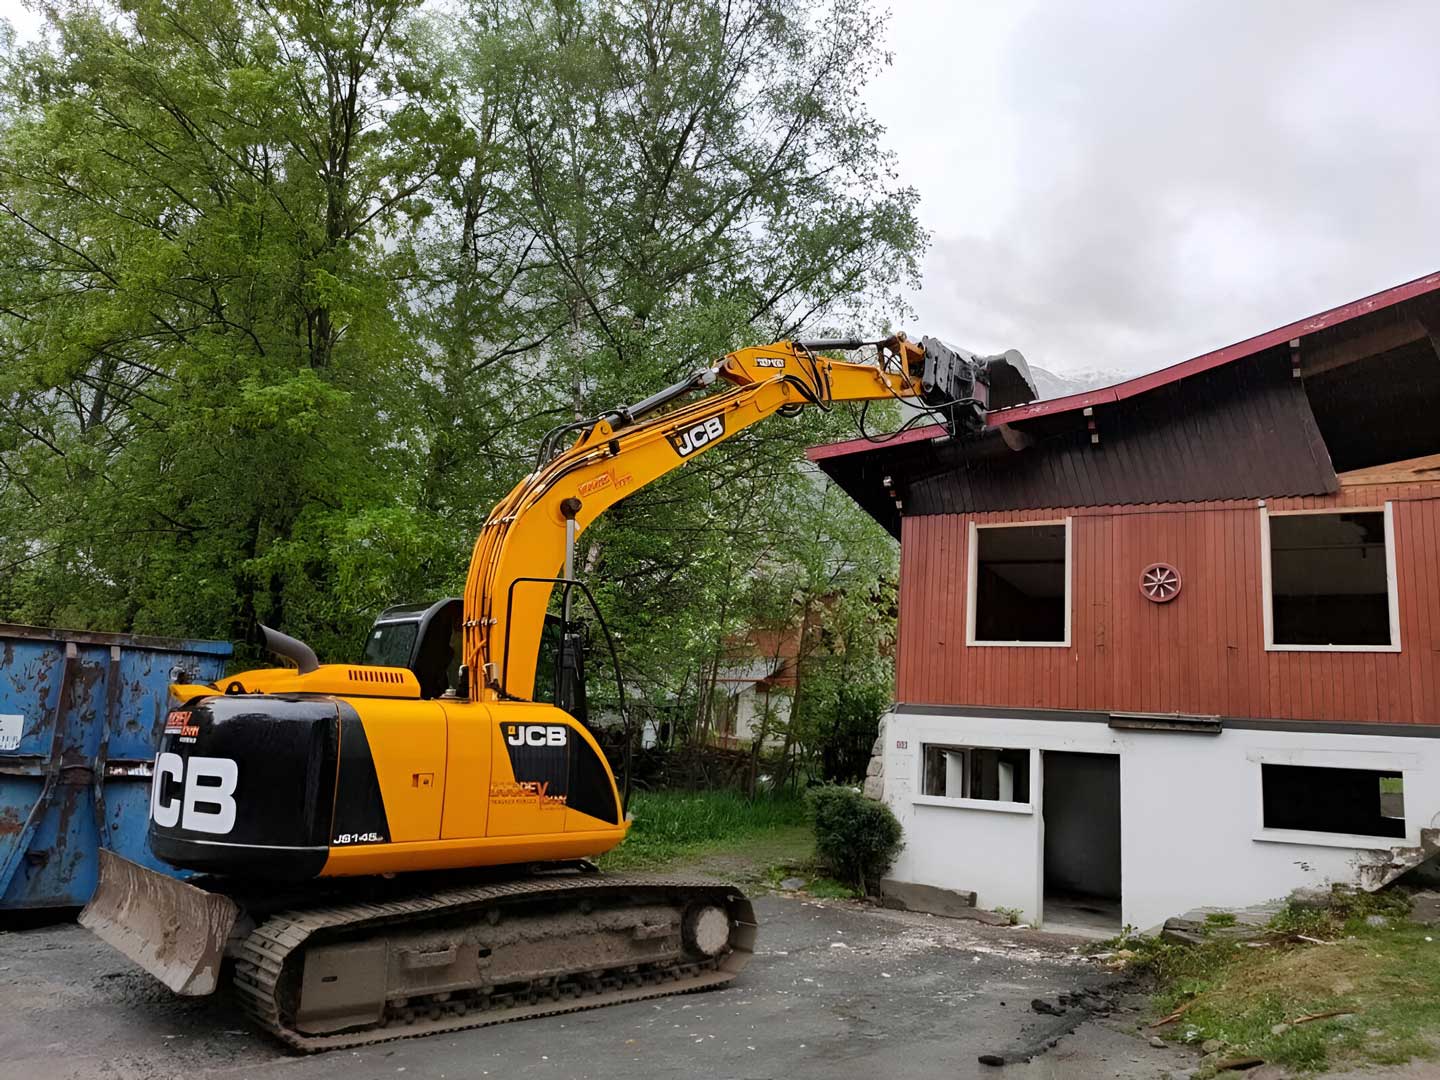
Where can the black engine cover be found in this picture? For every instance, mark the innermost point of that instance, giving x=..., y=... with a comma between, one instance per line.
x=245, y=784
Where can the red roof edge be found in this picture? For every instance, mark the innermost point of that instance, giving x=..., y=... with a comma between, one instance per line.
x=1174, y=373
x=854, y=446
x=1229, y=354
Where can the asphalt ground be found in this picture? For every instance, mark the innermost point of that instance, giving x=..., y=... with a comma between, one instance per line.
x=835, y=989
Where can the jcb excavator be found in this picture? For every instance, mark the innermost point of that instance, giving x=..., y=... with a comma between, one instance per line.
x=401, y=846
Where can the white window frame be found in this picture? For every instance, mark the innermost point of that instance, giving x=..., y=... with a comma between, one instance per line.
x=1407, y=765
x=993, y=805
x=971, y=582
x=1392, y=589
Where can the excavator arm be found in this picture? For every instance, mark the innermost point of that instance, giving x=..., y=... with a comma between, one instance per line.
x=530, y=534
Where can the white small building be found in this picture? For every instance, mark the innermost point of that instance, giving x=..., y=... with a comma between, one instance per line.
x=1175, y=642
x=749, y=691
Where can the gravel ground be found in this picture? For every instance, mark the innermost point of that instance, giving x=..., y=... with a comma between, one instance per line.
x=835, y=990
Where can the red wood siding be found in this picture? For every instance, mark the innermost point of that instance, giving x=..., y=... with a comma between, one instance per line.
x=1202, y=653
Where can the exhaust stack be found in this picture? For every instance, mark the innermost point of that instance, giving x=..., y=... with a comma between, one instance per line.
x=290, y=648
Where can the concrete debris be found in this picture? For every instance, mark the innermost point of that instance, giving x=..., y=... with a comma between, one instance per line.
x=1071, y=1008
x=950, y=903
x=1238, y=1064
x=1158, y=1043
x=791, y=884
x=1394, y=863
x=1425, y=907
x=1239, y=925
x=1181, y=931
x=1310, y=898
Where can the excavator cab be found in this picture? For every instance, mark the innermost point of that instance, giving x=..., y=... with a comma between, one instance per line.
x=426, y=638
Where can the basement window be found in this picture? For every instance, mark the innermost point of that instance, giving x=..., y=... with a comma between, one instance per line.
x=977, y=772
x=1359, y=802
x=1332, y=582
x=1019, y=584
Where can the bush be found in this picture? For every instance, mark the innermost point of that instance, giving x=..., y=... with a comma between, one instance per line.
x=856, y=837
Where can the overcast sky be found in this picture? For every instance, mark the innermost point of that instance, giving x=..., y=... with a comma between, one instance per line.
x=1122, y=185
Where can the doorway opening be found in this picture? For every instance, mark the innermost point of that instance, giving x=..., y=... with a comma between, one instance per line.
x=1081, y=804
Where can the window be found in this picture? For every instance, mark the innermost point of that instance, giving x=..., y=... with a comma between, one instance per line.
x=1331, y=581
x=1362, y=802
x=390, y=644
x=977, y=772
x=1019, y=584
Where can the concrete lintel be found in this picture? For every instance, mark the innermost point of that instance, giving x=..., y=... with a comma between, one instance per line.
x=933, y=900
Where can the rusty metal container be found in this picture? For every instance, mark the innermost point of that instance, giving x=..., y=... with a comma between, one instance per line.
x=80, y=715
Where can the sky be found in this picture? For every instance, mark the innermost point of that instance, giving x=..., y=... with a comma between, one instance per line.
x=1118, y=185
x=1121, y=185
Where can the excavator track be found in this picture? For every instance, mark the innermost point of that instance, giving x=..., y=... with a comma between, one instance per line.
x=274, y=983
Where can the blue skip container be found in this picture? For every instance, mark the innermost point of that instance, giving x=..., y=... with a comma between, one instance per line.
x=80, y=716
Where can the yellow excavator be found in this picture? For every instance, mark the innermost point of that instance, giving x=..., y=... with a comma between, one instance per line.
x=401, y=846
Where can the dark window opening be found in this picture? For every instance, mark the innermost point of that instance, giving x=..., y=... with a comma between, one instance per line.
x=977, y=772
x=1020, y=583
x=1328, y=581
x=1364, y=802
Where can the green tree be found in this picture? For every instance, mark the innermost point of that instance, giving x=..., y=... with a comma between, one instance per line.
x=205, y=380
x=696, y=177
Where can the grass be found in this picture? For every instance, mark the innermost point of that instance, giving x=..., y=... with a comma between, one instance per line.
x=827, y=888
x=671, y=826
x=1385, y=981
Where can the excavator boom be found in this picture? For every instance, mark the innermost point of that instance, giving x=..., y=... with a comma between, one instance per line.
x=527, y=536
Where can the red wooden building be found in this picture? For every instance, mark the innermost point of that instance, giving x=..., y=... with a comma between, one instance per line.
x=1175, y=641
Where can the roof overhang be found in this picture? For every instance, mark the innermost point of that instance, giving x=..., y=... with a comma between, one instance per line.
x=880, y=475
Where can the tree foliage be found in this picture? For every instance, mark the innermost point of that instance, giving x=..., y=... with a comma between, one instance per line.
x=289, y=290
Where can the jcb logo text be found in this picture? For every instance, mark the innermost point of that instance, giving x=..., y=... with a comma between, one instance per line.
x=207, y=802
x=688, y=440
x=535, y=735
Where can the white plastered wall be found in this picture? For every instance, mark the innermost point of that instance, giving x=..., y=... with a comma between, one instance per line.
x=1191, y=829
x=750, y=707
